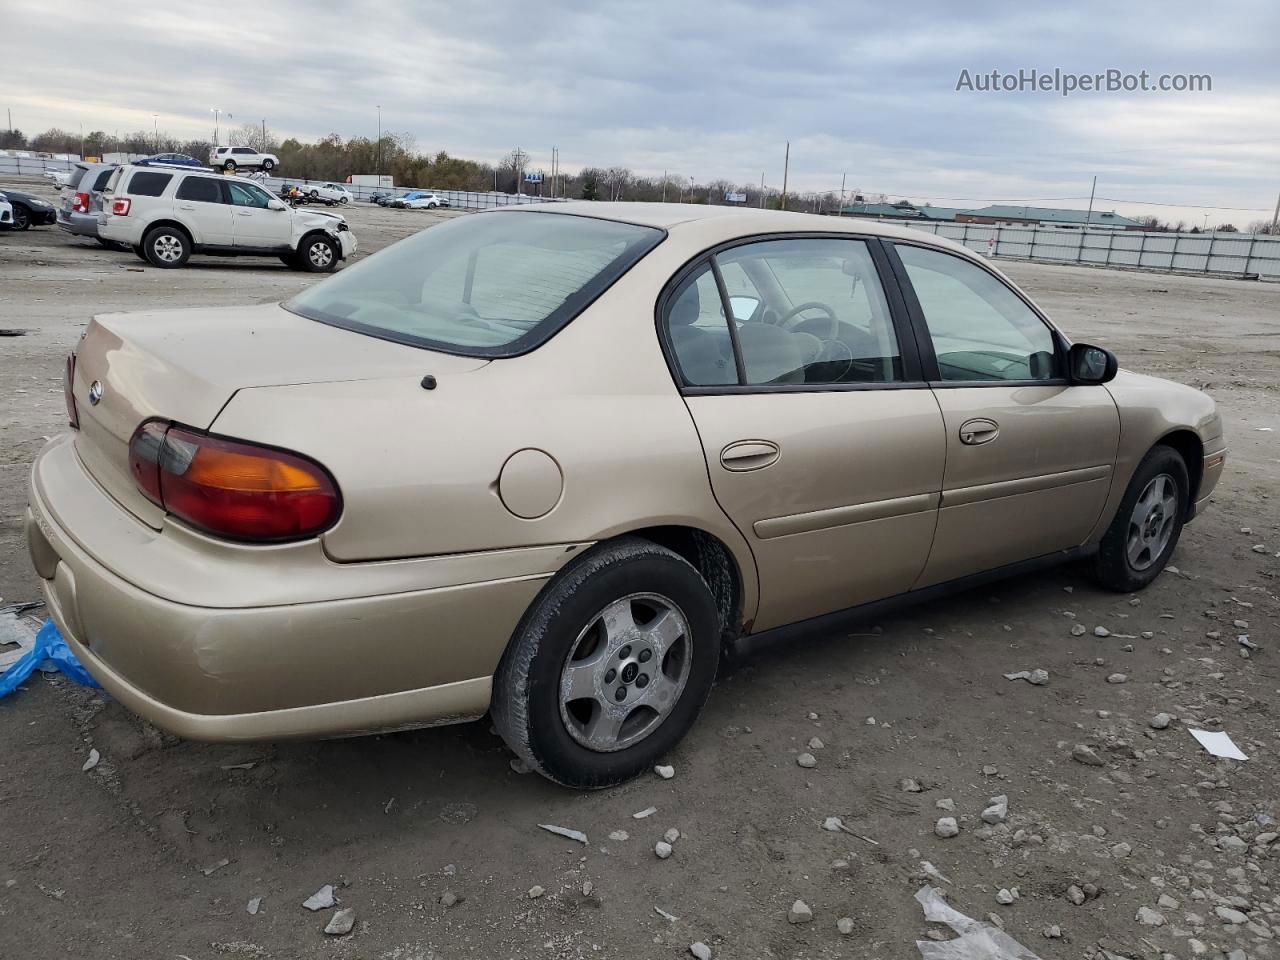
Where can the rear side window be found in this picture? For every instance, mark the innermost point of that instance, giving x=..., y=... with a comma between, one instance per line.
x=200, y=189
x=492, y=284
x=146, y=184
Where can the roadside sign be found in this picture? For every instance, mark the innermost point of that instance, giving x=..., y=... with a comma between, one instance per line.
x=735, y=197
x=533, y=177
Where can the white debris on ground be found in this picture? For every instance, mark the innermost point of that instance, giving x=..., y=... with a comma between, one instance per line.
x=976, y=940
x=322, y=899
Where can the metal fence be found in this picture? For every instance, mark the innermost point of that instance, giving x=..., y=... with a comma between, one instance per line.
x=1250, y=255
x=458, y=199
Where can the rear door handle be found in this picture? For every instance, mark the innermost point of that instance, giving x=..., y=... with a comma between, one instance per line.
x=749, y=455
x=186, y=206
x=978, y=431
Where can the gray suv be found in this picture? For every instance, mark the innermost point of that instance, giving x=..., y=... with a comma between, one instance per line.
x=82, y=201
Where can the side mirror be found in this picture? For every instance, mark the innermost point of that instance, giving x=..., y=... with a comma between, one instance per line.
x=1087, y=364
x=274, y=204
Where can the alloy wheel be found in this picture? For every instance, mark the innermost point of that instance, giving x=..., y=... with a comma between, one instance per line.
x=320, y=254
x=1152, y=521
x=625, y=672
x=168, y=248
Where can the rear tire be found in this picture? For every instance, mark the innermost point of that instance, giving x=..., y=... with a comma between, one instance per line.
x=589, y=626
x=229, y=166
x=1147, y=525
x=166, y=247
x=318, y=253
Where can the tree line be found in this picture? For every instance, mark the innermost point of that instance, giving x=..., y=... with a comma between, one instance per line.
x=335, y=158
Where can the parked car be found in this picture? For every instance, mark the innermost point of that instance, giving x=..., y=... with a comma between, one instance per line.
x=330, y=193
x=29, y=210
x=167, y=215
x=387, y=199
x=378, y=197
x=59, y=178
x=82, y=201
x=6, y=212
x=235, y=158
x=169, y=160
x=421, y=200
x=717, y=425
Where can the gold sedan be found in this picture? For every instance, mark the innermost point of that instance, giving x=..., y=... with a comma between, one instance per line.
x=549, y=461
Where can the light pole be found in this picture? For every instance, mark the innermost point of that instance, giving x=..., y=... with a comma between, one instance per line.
x=216, y=114
x=378, y=162
x=155, y=121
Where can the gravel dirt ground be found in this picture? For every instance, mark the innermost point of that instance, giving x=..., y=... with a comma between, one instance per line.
x=1152, y=849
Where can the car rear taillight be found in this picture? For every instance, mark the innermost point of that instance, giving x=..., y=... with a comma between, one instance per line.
x=68, y=391
x=81, y=203
x=120, y=206
x=232, y=489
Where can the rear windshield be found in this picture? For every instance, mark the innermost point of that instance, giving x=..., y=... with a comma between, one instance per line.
x=488, y=284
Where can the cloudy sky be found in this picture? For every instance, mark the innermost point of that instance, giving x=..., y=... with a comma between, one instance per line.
x=709, y=90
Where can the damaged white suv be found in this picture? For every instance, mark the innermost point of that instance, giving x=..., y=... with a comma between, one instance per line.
x=167, y=215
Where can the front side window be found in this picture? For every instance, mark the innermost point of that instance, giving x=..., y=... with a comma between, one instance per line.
x=804, y=311
x=492, y=284
x=981, y=330
x=200, y=190
x=247, y=195
x=148, y=184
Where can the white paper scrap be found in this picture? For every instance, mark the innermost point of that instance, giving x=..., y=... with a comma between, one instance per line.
x=1218, y=744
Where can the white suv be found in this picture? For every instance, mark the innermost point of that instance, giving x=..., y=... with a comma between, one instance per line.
x=166, y=215
x=233, y=158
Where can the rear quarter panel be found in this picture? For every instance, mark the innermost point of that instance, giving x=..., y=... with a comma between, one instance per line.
x=419, y=469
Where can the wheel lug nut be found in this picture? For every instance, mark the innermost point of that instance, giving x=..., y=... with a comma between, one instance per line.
x=624, y=652
x=620, y=694
x=646, y=656
x=611, y=675
x=642, y=681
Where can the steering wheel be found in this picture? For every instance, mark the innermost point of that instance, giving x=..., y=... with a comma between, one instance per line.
x=786, y=321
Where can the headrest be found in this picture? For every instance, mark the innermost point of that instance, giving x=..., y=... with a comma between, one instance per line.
x=687, y=307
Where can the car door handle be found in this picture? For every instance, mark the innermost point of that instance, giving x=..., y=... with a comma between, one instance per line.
x=244, y=213
x=978, y=431
x=749, y=455
x=186, y=206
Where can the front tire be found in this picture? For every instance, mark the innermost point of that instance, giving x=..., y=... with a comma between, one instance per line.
x=229, y=166
x=268, y=165
x=167, y=247
x=21, y=218
x=1147, y=525
x=318, y=254
x=610, y=666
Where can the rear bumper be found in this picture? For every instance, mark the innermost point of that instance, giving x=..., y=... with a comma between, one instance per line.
x=312, y=668
x=79, y=224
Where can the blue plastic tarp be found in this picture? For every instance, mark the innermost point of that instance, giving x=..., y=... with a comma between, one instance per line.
x=49, y=654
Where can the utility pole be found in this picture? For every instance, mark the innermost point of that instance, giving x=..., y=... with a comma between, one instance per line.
x=518, y=158
x=1275, y=218
x=216, y=114
x=840, y=209
x=264, y=134
x=664, y=186
x=762, y=190
x=155, y=120
x=1092, y=190
x=786, y=168
x=377, y=163
x=81, y=139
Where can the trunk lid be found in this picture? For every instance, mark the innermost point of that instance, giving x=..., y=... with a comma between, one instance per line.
x=185, y=365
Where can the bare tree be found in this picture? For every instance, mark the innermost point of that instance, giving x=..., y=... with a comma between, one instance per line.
x=255, y=136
